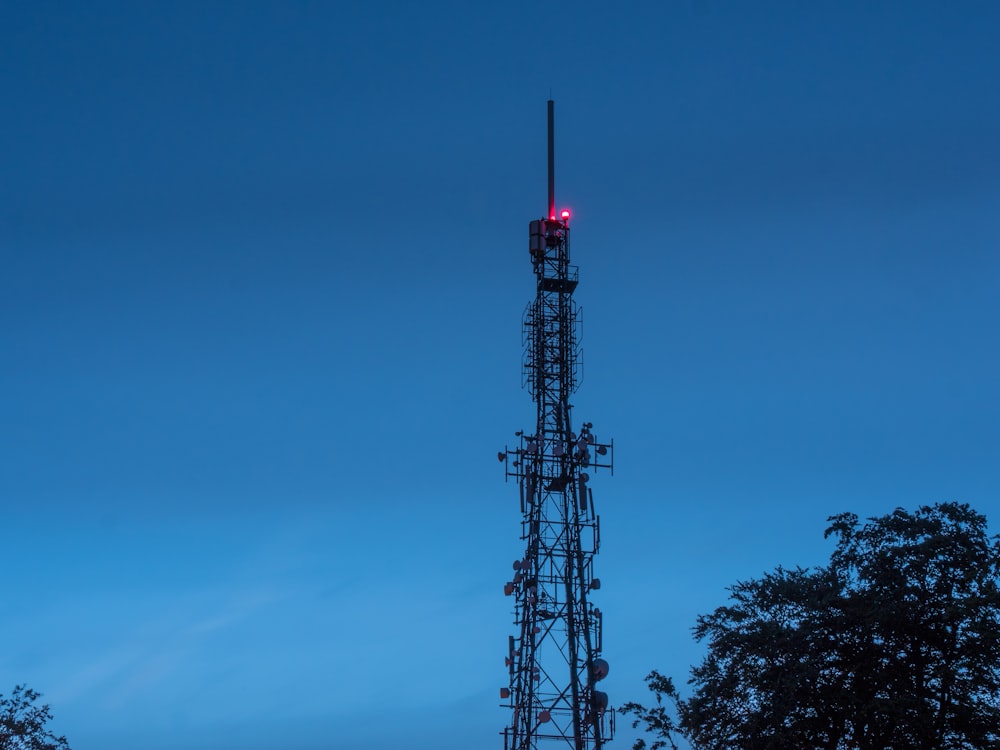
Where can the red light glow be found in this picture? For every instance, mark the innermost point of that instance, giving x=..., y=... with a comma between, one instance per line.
x=565, y=215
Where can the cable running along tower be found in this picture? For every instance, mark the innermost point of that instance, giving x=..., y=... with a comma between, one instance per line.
x=554, y=659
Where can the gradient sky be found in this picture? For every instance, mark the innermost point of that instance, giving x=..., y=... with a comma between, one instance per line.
x=263, y=267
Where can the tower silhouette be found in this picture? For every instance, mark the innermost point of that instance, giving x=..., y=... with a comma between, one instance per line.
x=554, y=658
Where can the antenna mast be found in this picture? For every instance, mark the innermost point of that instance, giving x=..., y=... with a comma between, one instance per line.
x=554, y=660
x=552, y=161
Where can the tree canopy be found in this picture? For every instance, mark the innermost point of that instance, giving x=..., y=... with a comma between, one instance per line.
x=22, y=723
x=894, y=644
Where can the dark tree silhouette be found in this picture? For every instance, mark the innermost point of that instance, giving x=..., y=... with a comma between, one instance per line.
x=22, y=723
x=658, y=720
x=895, y=644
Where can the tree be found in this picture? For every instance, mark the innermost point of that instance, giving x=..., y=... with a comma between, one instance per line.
x=22, y=723
x=658, y=720
x=895, y=644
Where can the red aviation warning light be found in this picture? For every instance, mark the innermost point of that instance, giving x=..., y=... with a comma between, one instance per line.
x=565, y=216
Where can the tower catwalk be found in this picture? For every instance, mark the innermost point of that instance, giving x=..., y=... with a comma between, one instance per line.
x=553, y=660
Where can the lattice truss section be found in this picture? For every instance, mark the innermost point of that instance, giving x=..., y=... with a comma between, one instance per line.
x=554, y=659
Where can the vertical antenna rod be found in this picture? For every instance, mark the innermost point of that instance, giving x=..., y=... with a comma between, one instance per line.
x=552, y=160
x=553, y=659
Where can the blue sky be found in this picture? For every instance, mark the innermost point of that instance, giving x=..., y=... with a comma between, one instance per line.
x=263, y=272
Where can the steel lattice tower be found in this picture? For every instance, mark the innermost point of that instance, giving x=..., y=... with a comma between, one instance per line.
x=554, y=659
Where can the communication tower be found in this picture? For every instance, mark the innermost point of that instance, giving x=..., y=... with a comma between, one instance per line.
x=554, y=659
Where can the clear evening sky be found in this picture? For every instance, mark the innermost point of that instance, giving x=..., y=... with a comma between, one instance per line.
x=263, y=267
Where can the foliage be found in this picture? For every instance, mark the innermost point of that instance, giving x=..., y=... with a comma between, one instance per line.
x=22, y=723
x=657, y=720
x=895, y=644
